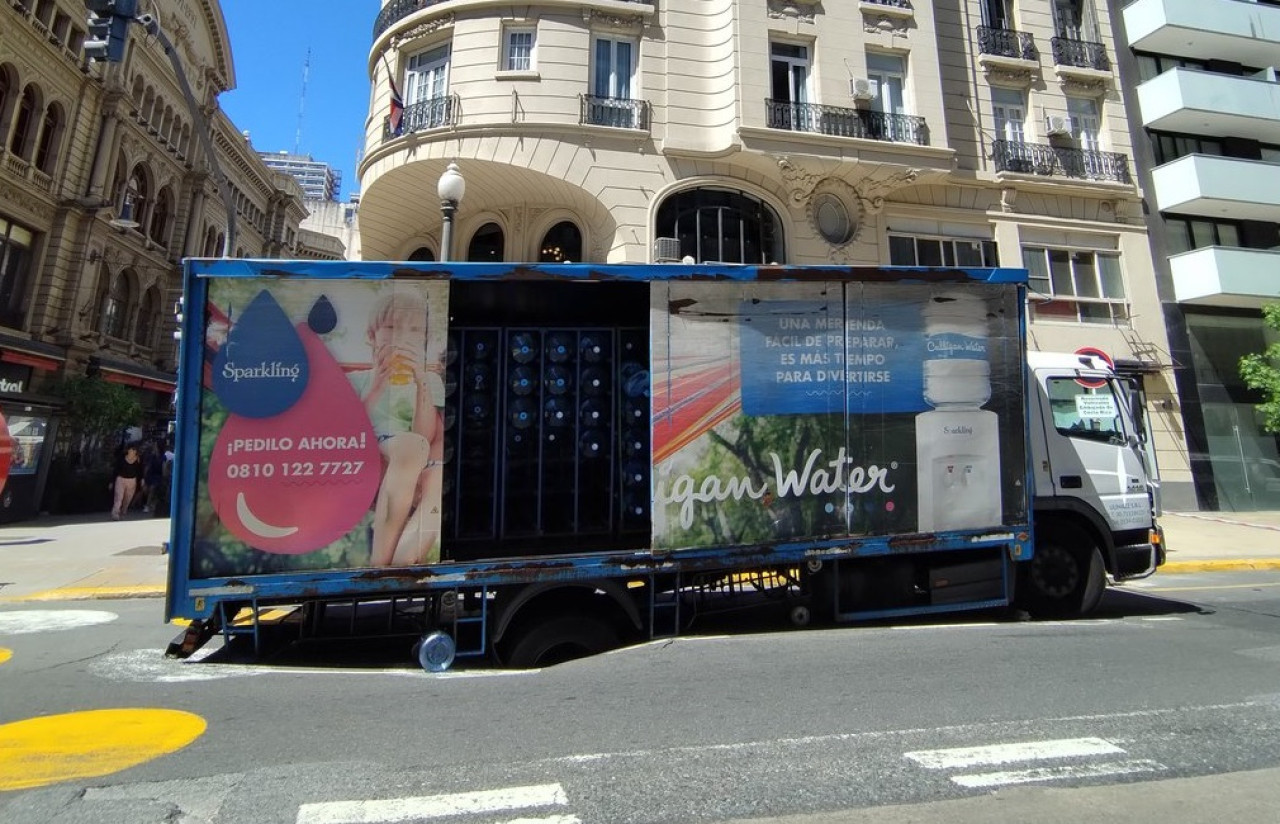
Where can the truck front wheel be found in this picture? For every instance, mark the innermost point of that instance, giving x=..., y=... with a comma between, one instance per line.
x=559, y=639
x=1066, y=576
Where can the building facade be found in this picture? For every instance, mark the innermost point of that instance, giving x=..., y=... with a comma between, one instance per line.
x=104, y=189
x=318, y=179
x=980, y=132
x=1205, y=102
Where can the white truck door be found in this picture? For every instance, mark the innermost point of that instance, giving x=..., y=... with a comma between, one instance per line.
x=1090, y=447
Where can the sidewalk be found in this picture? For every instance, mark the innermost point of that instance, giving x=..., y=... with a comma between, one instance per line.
x=93, y=557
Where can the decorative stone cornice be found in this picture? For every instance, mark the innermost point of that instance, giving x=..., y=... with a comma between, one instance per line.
x=803, y=10
x=612, y=20
x=431, y=26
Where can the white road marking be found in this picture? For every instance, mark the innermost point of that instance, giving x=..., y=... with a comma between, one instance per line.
x=432, y=806
x=1062, y=773
x=1010, y=753
x=27, y=621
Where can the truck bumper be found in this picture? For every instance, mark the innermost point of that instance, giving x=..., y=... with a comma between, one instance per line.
x=1140, y=560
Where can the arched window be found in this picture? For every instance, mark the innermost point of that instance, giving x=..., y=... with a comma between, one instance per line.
x=487, y=244
x=25, y=125
x=148, y=319
x=7, y=85
x=15, y=274
x=115, y=303
x=563, y=242
x=50, y=137
x=160, y=217
x=210, y=243
x=720, y=225
x=422, y=253
x=137, y=197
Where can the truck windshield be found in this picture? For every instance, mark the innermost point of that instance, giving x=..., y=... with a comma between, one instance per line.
x=1086, y=412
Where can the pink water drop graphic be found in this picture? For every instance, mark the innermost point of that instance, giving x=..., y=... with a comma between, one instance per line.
x=296, y=482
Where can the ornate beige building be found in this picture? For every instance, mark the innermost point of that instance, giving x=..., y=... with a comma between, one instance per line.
x=104, y=189
x=980, y=132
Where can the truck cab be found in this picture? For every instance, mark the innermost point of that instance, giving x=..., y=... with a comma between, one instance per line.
x=1093, y=494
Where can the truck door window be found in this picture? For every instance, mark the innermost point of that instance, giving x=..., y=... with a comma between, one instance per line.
x=1085, y=412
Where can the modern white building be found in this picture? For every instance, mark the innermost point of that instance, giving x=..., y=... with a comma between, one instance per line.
x=978, y=132
x=1205, y=107
x=319, y=180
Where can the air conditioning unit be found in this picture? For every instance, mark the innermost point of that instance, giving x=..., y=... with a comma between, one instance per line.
x=1055, y=124
x=861, y=88
x=667, y=250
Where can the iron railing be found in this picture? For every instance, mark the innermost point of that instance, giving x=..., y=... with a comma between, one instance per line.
x=1043, y=159
x=901, y=4
x=432, y=113
x=617, y=112
x=1080, y=53
x=833, y=120
x=1007, y=43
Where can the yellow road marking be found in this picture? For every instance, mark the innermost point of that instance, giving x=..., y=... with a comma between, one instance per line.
x=5, y=654
x=244, y=617
x=39, y=751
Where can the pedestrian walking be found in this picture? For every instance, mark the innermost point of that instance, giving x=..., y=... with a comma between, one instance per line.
x=127, y=474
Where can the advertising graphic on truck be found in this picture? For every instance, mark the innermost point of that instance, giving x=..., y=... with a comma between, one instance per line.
x=537, y=462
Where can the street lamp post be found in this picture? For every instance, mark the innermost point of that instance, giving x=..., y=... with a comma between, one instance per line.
x=451, y=188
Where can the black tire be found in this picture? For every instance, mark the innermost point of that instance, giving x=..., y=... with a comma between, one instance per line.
x=559, y=639
x=1066, y=576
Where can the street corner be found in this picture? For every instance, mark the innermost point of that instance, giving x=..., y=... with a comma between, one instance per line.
x=36, y=752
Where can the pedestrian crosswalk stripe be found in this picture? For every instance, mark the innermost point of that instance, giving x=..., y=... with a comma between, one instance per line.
x=433, y=806
x=1058, y=773
x=1010, y=753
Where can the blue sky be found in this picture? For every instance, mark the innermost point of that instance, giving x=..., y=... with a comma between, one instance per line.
x=269, y=42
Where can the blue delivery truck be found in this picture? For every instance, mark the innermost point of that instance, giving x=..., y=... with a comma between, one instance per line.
x=537, y=462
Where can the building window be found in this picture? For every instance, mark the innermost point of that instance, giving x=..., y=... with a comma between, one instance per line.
x=716, y=225
x=1154, y=65
x=1182, y=234
x=50, y=136
x=789, y=72
x=160, y=217
x=832, y=218
x=1075, y=286
x=1170, y=147
x=517, y=50
x=15, y=271
x=1009, y=111
x=561, y=244
x=997, y=14
x=148, y=319
x=114, y=313
x=24, y=125
x=1086, y=125
x=487, y=244
x=888, y=74
x=614, y=70
x=422, y=253
x=914, y=250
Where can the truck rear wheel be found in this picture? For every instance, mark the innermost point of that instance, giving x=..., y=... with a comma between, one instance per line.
x=1066, y=576
x=559, y=639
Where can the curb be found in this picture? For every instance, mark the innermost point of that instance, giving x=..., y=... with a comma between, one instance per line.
x=91, y=594
x=1177, y=567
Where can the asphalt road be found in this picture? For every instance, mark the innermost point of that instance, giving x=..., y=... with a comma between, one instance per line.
x=1171, y=687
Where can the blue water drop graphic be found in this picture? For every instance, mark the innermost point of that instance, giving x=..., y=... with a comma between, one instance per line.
x=262, y=369
x=323, y=317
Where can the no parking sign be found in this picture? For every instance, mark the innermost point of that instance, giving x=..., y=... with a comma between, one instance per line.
x=1093, y=352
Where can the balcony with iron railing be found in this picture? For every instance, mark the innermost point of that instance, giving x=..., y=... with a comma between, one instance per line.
x=615, y=112
x=1060, y=161
x=840, y=122
x=1080, y=54
x=433, y=113
x=903, y=5
x=1019, y=45
x=397, y=10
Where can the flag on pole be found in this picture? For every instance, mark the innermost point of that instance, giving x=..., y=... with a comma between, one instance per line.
x=396, y=117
